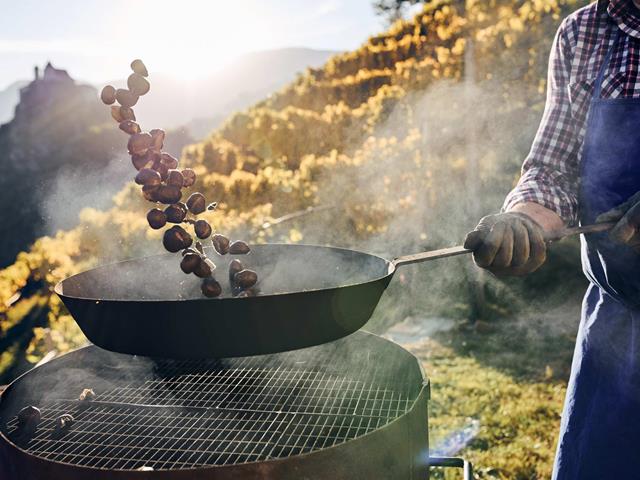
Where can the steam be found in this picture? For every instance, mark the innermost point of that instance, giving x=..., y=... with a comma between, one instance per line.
x=340, y=383
x=457, y=440
x=413, y=175
x=75, y=189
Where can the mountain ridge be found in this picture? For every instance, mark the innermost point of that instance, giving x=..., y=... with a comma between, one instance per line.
x=205, y=106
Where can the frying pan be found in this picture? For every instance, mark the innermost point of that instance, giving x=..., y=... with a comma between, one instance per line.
x=308, y=295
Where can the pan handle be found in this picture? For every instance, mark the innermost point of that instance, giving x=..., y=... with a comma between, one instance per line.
x=556, y=235
x=550, y=237
x=432, y=255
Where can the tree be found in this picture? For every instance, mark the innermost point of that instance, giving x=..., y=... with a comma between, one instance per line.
x=393, y=10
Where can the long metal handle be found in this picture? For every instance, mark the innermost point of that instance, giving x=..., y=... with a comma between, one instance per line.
x=460, y=250
x=567, y=232
x=432, y=255
x=467, y=468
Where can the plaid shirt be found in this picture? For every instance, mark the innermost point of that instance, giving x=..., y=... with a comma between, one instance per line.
x=550, y=173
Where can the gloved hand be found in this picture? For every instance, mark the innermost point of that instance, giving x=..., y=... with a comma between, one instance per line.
x=627, y=230
x=507, y=244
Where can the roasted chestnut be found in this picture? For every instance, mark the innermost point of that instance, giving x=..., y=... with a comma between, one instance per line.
x=168, y=160
x=116, y=114
x=245, y=278
x=176, y=212
x=190, y=262
x=239, y=248
x=144, y=160
x=147, y=176
x=189, y=177
x=220, y=243
x=205, y=268
x=169, y=194
x=158, y=138
x=211, y=288
x=235, y=266
x=108, y=95
x=130, y=127
x=139, y=143
x=176, y=238
x=161, y=168
x=202, y=229
x=196, y=203
x=64, y=421
x=87, y=395
x=174, y=177
x=156, y=218
x=138, y=67
x=138, y=85
x=29, y=417
x=127, y=113
x=150, y=192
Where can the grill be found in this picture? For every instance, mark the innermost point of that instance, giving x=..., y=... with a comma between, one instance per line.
x=226, y=414
x=354, y=408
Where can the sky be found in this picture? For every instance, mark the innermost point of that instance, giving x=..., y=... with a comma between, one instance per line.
x=189, y=39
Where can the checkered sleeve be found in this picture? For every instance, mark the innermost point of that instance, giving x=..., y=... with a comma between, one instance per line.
x=550, y=171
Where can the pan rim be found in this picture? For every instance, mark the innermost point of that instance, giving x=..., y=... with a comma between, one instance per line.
x=390, y=270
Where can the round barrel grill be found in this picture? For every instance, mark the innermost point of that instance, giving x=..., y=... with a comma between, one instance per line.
x=354, y=408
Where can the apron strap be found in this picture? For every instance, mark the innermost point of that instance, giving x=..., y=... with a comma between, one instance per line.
x=598, y=85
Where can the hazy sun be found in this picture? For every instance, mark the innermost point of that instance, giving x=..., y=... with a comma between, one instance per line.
x=191, y=38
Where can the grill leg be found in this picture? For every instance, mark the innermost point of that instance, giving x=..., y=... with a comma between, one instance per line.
x=453, y=462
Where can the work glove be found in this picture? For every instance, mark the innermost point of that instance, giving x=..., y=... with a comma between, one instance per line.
x=627, y=229
x=507, y=244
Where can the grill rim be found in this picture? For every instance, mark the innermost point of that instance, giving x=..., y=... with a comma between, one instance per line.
x=7, y=447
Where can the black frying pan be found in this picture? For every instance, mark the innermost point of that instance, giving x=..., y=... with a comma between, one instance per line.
x=308, y=295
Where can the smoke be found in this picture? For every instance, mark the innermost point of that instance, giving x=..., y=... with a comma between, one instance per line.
x=420, y=180
x=306, y=400
x=411, y=186
x=457, y=440
x=75, y=189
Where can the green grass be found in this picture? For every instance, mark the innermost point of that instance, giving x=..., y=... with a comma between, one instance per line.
x=512, y=379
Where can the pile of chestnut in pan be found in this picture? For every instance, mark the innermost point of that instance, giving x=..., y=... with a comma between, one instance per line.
x=163, y=183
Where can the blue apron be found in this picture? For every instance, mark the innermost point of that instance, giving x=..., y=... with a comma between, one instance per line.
x=600, y=429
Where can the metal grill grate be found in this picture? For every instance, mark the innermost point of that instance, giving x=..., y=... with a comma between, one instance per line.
x=196, y=414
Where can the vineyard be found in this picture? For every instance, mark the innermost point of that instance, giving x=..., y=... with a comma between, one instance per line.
x=376, y=150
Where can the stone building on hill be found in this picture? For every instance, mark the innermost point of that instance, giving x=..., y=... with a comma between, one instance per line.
x=54, y=83
x=60, y=130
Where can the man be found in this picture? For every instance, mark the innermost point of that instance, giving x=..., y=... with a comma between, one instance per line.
x=584, y=166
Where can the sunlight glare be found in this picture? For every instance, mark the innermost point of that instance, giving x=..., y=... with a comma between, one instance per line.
x=191, y=39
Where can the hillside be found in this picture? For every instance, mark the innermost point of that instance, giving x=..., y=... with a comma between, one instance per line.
x=394, y=148
x=9, y=98
x=57, y=130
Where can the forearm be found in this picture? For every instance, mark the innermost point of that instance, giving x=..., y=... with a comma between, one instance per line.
x=545, y=189
x=548, y=188
x=547, y=219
